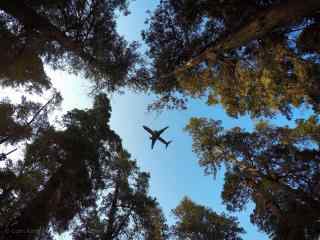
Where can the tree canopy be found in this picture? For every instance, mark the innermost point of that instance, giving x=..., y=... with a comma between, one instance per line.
x=36, y=196
x=126, y=211
x=196, y=222
x=253, y=57
x=275, y=167
x=77, y=35
x=78, y=153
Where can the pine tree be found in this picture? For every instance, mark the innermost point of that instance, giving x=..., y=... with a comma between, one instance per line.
x=275, y=167
x=253, y=57
x=60, y=175
x=125, y=209
x=77, y=35
x=196, y=222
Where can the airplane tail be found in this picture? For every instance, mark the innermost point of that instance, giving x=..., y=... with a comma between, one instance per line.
x=167, y=144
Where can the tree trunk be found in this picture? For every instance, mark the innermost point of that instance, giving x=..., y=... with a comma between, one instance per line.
x=112, y=213
x=285, y=14
x=33, y=21
x=36, y=213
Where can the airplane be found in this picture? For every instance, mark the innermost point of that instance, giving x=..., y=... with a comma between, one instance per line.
x=155, y=135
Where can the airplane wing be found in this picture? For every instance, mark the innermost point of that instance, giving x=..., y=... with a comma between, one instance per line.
x=162, y=140
x=153, y=142
x=148, y=129
x=162, y=130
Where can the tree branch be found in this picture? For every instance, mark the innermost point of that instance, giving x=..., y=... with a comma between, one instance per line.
x=3, y=156
x=284, y=14
x=28, y=124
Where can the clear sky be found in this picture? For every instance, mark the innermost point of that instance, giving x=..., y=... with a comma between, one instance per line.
x=175, y=172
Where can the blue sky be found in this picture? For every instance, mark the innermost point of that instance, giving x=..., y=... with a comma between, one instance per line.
x=175, y=172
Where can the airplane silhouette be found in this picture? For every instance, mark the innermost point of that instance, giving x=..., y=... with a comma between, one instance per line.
x=155, y=135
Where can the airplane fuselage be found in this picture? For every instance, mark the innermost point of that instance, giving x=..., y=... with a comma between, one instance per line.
x=155, y=135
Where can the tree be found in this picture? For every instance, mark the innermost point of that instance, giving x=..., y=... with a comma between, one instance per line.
x=64, y=169
x=77, y=35
x=196, y=222
x=275, y=167
x=20, y=121
x=60, y=175
x=255, y=57
x=79, y=173
x=125, y=210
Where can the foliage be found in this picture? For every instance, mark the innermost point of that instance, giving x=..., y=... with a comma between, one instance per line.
x=275, y=167
x=249, y=56
x=75, y=35
x=79, y=154
x=196, y=222
x=66, y=170
x=80, y=170
x=266, y=74
x=125, y=211
x=23, y=120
